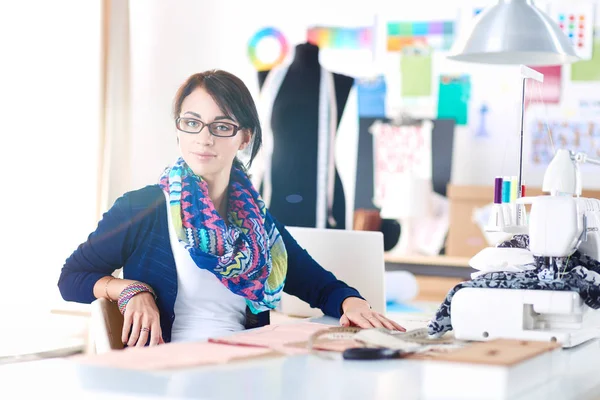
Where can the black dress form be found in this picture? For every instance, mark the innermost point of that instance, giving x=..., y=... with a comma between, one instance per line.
x=294, y=124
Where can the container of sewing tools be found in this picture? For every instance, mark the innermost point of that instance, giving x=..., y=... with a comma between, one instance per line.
x=508, y=215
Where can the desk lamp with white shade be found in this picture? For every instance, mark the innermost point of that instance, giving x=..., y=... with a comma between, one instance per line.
x=407, y=200
x=515, y=32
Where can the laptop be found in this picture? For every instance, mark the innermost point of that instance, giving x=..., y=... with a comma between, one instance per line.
x=355, y=257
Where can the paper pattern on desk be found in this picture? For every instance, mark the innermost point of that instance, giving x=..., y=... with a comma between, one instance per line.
x=278, y=337
x=412, y=321
x=174, y=355
x=416, y=342
x=326, y=344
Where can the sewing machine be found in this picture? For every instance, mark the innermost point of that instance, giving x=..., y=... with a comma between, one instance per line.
x=559, y=224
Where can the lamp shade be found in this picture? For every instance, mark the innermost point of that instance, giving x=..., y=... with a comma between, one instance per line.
x=514, y=32
x=562, y=175
x=408, y=197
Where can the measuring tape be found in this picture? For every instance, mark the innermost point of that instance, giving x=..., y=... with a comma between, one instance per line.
x=414, y=341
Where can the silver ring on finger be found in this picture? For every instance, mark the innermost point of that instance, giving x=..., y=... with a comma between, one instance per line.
x=145, y=329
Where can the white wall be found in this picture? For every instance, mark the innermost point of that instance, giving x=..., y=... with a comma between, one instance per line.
x=172, y=40
x=49, y=129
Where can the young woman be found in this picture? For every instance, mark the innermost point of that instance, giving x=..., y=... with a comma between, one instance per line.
x=201, y=254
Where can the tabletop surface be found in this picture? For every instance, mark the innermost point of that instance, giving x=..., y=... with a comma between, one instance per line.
x=297, y=377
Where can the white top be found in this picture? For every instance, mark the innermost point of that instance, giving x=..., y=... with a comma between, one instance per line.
x=204, y=307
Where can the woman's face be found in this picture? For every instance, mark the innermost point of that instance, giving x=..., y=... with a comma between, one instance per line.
x=207, y=155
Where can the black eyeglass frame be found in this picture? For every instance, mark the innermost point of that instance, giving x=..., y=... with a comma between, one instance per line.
x=236, y=128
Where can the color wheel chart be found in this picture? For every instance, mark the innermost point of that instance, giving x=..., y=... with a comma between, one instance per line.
x=435, y=34
x=267, y=48
x=341, y=38
x=577, y=22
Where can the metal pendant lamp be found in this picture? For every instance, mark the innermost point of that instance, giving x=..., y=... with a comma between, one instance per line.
x=514, y=32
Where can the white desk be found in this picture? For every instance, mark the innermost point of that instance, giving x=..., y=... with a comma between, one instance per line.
x=300, y=377
x=36, y=334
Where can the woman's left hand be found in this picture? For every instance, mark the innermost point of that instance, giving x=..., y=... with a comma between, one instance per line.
x=357, y=312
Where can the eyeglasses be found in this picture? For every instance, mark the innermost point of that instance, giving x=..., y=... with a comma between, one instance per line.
x=216, y=128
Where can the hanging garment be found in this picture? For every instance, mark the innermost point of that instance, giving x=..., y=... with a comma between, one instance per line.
x=399, y=150
x=578, y=273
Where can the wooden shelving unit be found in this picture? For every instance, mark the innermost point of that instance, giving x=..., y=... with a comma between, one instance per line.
x=435, y=275
x=438, y=261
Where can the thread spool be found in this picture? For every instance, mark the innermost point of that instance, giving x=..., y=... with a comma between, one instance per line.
x=498, y=190
x=506, y=190
x=513, y=189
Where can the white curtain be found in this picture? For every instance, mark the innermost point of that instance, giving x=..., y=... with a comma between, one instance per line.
x=115, y=135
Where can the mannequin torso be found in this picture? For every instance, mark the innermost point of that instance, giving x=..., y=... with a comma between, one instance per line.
x=294, y=124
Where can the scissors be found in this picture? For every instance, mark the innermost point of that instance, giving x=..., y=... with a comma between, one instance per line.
x=369, y=353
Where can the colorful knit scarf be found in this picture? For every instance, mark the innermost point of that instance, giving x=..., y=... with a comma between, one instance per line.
x=247, y=255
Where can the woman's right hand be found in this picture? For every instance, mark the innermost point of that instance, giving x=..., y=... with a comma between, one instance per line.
x=141, y=321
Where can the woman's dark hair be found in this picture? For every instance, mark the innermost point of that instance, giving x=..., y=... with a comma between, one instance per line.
x=232, y=97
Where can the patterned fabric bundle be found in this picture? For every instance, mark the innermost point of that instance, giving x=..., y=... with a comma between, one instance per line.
x=247, y=255
x=578, y=273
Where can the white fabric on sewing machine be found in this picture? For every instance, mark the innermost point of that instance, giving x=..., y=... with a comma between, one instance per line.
x=509, y=259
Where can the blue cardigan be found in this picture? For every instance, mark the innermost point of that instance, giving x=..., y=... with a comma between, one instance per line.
x=134, y=235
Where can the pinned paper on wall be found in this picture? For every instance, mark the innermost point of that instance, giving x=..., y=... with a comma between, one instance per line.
x=331, y=37
x=578, y=135
x=399, y=150
x=481, y=130
x=589, y=108
x=415, y=70
x=454, y=94
x=435, y=34
x=576, y=19
x=547, y=92
x=587, y=70
x=371, y=97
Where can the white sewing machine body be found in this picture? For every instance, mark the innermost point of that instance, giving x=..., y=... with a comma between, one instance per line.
x=558, y=225
x=485, y=314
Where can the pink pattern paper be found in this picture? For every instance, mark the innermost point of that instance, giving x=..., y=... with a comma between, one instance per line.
x=276, y=337
x=173, y=356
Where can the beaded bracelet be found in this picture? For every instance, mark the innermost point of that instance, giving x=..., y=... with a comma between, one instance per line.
x=130, y=291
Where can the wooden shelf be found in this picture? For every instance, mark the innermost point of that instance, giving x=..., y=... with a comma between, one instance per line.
x=439, y=261
x=435, y=288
